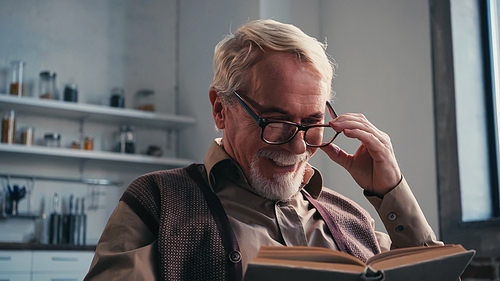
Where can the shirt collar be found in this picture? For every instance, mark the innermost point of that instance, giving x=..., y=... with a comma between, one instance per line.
x=218, y=161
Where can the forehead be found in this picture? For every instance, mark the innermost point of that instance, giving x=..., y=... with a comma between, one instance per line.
x=281, y=79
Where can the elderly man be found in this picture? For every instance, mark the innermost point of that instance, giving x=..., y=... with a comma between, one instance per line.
x=270, y=98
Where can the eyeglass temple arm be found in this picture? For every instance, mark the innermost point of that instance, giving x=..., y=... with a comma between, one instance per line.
x=247, y=108
x=334, y=115
x=331, y=110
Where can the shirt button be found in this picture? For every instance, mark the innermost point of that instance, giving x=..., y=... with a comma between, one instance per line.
x=399, y=228
x=391, y=216
x=235, y=256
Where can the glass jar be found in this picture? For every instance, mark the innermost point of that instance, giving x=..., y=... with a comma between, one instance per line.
x=28, y=136
x=47, y=86
x=126, y=139
x=9, y=127
x=17, y=75
x=52, y=140
x=117, y=98
x=75, y=145
x=145, y=100
x=88, y=143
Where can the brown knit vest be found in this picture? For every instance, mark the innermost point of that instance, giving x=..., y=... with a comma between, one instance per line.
x=195, y=239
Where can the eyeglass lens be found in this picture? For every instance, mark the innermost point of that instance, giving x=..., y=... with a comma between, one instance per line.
x=278, y=133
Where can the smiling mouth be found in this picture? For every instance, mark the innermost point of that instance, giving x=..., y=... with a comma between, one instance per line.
x=282, y=160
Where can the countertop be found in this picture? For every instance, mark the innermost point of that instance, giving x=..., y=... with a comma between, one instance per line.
x=45, y=247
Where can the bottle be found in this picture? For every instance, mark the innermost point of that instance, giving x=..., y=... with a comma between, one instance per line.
x=126, y=139
x=47, y=86
x=9, y=127
x=17, y=82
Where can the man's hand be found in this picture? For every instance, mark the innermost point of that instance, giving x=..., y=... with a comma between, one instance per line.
x=374, y=166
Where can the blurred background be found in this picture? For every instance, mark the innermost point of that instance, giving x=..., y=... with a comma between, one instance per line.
x=113, y=89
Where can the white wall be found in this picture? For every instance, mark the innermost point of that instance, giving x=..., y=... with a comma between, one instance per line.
x=383, y=50
x=202, y=25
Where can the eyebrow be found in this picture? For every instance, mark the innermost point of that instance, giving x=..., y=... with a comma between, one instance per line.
x=275, y=109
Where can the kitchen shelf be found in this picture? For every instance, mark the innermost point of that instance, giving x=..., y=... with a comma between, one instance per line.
x=21, y=216
x=93, y=155
x=93, y=113
x=89, y=181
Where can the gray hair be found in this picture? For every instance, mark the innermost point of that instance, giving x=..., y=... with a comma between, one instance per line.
x=236, y=54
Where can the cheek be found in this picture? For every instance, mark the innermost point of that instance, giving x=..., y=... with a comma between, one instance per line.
x=312, y=150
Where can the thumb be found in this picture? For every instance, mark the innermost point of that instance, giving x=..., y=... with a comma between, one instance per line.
x=336, y=154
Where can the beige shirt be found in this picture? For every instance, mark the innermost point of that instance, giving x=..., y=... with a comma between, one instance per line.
x=256, y=221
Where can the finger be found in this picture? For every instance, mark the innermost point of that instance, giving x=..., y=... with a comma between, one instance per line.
x=358, y=121
x=363, y=127
x=338, y=155
x=378, y=150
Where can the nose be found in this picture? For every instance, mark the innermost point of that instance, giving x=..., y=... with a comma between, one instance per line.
x=297, y=145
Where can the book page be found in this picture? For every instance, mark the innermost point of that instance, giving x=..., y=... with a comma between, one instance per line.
x=405, y=251
x=400, y=258
x=303, y=253
x=311, y=265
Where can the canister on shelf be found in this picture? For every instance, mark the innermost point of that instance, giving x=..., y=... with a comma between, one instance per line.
x=88, y=143
x=47, y=86
x=117, y=98
x=52, y=139
x=71, y=93
x=9, y=127
x=17, y=76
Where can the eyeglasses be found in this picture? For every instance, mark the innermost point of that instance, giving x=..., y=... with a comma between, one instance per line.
x=280, y=132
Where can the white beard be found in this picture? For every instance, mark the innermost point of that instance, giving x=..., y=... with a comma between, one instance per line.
x=283, y=186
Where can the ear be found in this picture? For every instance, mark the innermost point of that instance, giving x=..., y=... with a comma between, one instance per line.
x=218, y=109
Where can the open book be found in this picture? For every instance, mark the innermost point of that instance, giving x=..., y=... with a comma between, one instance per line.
x=439, y=263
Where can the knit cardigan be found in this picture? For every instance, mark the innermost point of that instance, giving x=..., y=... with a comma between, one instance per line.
x=195, y=239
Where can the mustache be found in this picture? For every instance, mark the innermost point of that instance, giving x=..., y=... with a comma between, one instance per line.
x=283, y=157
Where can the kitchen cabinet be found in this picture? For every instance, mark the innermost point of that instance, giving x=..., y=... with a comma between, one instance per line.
x=15, y=262
x=82, y=113
x=44, y=265
x=61, y=265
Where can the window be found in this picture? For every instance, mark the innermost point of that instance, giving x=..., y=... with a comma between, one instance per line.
x=466, y=123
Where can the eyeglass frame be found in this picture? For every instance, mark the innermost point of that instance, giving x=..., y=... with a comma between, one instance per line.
x=263, y=122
